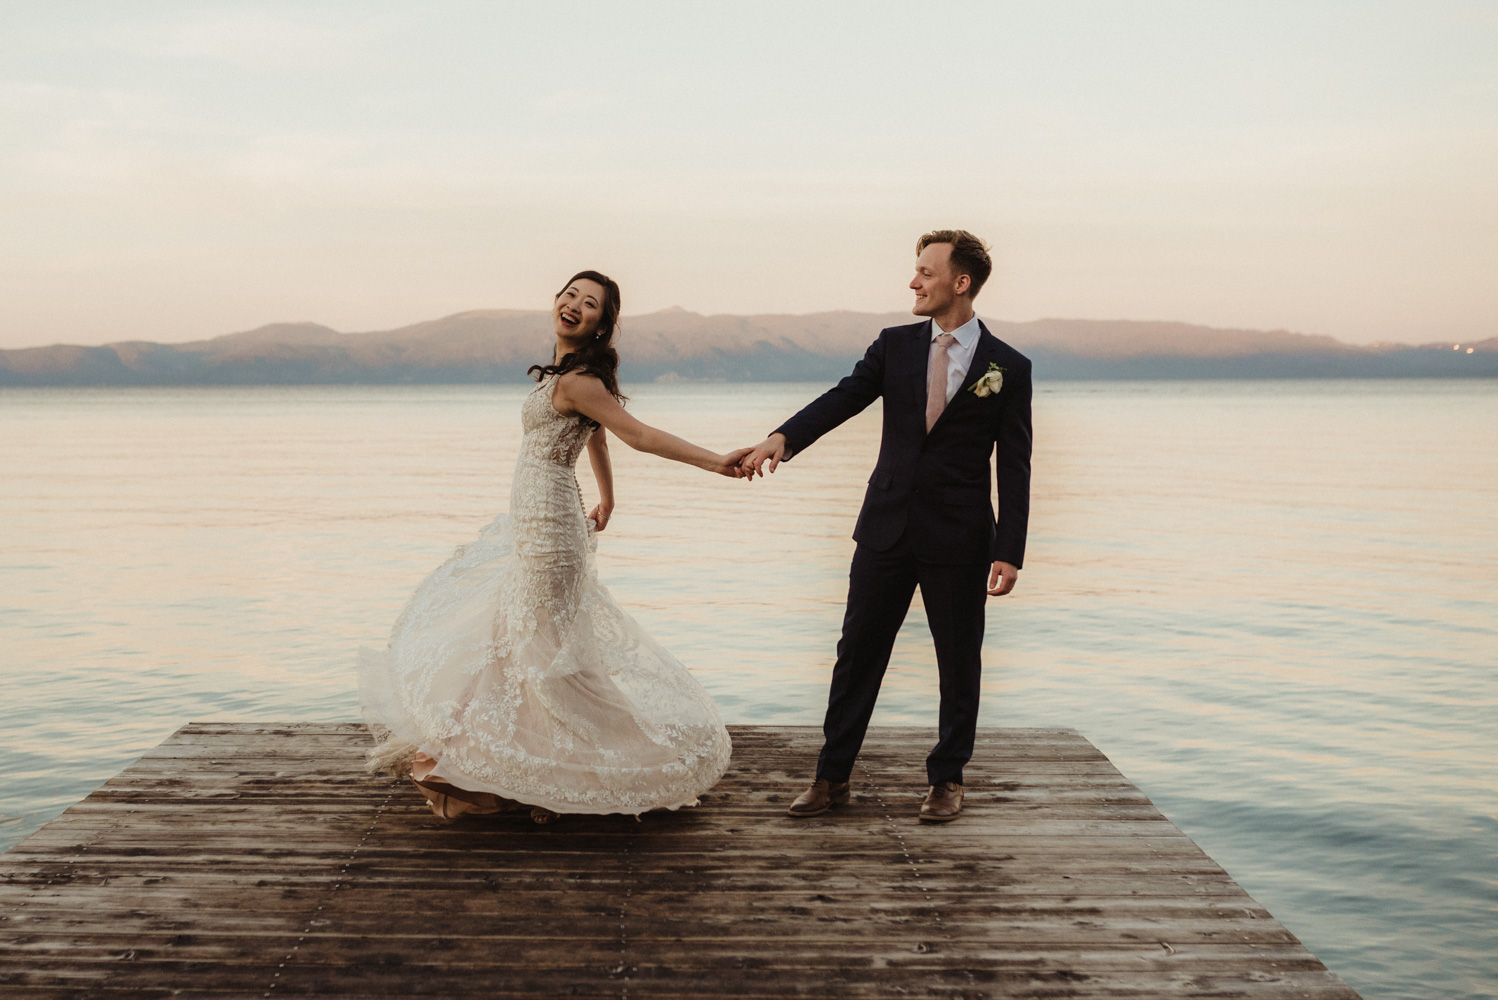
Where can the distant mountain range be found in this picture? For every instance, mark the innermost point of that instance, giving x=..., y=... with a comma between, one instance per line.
x=498, y=345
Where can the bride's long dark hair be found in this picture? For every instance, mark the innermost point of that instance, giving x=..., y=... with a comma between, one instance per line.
x=597, y=357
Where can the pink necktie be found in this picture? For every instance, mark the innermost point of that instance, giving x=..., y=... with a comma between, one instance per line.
x=936, y=389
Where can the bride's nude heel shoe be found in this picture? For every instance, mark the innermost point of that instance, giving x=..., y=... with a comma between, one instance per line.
x=436, y=801
x=541, y=817
x=448, y=802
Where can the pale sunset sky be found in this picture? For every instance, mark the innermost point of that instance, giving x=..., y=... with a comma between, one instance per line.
x=175, y=171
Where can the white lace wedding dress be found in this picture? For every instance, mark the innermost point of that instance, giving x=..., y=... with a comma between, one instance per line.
x=514, y=669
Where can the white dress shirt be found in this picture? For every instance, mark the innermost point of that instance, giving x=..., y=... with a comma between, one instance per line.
x=959, y=355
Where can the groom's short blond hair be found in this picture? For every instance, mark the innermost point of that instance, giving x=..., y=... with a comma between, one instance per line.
x=969, y=255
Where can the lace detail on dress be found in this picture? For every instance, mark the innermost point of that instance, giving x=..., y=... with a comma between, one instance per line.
x=514, y=668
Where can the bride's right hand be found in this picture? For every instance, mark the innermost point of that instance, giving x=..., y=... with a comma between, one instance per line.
x=730, y=465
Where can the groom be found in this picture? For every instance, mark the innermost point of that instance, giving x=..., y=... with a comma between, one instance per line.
x=954, y=395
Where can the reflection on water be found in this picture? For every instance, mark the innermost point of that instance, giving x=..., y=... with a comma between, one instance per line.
x=1270, y=603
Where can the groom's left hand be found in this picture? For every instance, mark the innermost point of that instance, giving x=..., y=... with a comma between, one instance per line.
x=1001, y=571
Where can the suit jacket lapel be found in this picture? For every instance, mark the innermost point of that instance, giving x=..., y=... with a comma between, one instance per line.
x=920, y=361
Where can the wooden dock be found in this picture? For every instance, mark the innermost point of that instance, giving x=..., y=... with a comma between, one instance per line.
x=260, y=860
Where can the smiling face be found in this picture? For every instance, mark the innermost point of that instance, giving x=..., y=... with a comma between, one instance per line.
x=578, y=310
x=935, y=284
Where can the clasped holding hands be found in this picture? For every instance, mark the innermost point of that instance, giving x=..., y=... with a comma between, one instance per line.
x=746, y=463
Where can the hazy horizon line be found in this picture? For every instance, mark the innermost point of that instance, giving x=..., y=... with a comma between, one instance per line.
x=677, y=309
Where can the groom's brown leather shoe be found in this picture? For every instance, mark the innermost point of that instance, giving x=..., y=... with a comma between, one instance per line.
x=821, y=796
x=943, y=803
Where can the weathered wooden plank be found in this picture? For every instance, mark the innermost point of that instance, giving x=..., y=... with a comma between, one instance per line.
x=1070, y=909
x=705, y=955
x=849, y=890
x=224, y=853
x=497, y=919
x=811, y=839
x=242, y=860
x=250, y=858
x=749, y=980
x=143, y=784
x=979, y=807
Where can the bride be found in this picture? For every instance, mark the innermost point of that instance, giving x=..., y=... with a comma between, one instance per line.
x=512, y=680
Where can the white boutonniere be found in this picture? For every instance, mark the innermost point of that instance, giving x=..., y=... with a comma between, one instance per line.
x=991, y=382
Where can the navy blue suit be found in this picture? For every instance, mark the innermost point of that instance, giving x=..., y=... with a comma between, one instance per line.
x=927, y=521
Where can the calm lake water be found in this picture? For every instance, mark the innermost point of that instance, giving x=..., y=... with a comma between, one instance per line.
x=1273, y=604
